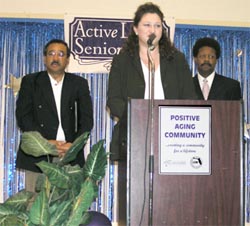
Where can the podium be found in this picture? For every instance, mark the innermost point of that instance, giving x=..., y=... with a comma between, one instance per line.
x=212, y=198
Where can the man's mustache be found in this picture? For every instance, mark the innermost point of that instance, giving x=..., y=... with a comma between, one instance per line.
x=207, y=64
x=55, y=62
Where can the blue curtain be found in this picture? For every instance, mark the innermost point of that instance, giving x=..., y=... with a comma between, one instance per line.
x=21, y=44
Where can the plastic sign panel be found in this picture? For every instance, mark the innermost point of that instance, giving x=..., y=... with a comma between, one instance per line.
x=185, y=140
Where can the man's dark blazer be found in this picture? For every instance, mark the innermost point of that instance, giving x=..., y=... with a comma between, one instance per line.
x=223, y=88
x=36, y=111
x=126, y=80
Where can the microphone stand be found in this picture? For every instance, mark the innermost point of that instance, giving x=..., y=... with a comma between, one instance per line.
x=151, y=156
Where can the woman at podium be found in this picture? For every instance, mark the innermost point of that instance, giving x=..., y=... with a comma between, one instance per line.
x=147, y=47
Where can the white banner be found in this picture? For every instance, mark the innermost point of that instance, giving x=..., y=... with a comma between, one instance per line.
x=95, y=41
x=185, y=140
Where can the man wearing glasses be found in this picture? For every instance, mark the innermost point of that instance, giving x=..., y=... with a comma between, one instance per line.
x=208, y=84
x=55, y=103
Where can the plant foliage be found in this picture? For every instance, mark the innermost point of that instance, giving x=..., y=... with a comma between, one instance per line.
x=65, y=192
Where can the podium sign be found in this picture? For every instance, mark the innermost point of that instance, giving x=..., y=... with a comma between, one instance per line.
x=184, y=140
x=186, y=195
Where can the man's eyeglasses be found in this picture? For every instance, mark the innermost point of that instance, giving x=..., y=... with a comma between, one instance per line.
x=54, y=53
x=205, y=56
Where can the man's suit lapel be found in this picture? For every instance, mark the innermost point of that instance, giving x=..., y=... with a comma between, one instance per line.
x=216, y=86
x=198, y=88
x=47, y=92
x=66, y=92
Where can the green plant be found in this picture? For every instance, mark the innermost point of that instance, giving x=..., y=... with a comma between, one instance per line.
x=65, y=192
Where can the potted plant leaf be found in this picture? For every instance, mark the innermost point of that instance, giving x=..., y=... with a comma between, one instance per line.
x=65, y=192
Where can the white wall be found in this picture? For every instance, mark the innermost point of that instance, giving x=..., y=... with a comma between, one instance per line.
x=212, y=12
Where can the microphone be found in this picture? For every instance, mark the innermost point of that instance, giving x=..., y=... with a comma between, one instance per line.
x=150, y=41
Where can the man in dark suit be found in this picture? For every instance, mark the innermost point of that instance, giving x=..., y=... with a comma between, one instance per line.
x=206, y=52
x=55, y=103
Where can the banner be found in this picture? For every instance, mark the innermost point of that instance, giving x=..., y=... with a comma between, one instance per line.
x=185, y=140
x=95, y=41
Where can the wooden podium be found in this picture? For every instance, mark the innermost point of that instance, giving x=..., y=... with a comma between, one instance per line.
x=215, y=199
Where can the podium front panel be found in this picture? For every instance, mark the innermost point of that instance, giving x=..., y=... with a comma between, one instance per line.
x=214, y=199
